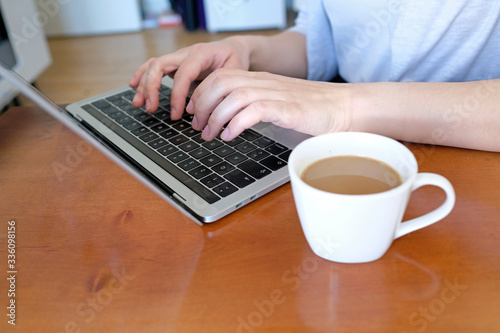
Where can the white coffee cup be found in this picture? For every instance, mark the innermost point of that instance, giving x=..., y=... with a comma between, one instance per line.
x=360, y=228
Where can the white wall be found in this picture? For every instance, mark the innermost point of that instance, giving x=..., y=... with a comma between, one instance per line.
x=91, y=17
x=24, y=25
x=234, y=15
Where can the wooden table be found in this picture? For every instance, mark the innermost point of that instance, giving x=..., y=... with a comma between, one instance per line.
x=98, y=252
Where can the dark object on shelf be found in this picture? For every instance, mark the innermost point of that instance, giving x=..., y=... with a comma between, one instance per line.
x=188, y=9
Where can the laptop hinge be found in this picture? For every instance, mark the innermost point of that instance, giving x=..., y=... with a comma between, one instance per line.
x=78, y=118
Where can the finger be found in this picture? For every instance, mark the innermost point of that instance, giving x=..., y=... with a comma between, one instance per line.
x=150, y=79
x=237, y=100
x=190, y=70
x=150, y=85
x=216, y=87
x=138, y=100
x=259, y=111
x=134, y=82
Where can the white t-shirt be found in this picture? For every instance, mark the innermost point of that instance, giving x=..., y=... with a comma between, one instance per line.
x=401, y=40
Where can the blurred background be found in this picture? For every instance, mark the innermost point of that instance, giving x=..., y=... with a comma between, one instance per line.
x=74, y=49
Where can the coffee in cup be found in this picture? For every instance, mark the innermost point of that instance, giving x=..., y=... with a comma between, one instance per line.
x=349, y=174
x=349, y=221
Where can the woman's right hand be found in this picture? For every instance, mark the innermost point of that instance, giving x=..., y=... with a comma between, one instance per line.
x=186, y=66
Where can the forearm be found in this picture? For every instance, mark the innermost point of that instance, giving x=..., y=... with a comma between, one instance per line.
x=465, y=114
x=284, y=53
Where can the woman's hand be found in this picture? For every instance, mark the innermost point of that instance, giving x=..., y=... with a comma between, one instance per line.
x=242, y=99
x=186, y=66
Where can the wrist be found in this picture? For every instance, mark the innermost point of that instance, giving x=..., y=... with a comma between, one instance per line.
x=247, y=46
x=368, y=107
x=359, y=103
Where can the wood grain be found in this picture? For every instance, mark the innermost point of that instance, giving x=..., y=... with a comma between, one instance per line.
x=98, y=252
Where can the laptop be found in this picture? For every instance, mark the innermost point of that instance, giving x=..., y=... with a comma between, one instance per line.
x=204, y=180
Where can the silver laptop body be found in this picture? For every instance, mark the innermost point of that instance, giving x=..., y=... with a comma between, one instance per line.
x=203, y=204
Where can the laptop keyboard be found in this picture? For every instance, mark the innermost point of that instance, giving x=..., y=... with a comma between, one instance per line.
x=213, y=169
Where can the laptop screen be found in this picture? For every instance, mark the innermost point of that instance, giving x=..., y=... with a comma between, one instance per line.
x=6, y=51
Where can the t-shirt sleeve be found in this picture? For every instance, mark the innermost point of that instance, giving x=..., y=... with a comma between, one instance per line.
x=312, y=21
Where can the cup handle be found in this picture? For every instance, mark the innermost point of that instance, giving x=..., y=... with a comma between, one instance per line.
x=437, y=214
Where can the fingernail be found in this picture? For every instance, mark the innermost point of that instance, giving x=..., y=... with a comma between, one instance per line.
x=225, y=134
x=206, y=132
x=135, y=99
x=148, y=104
x=189, y=107
x=195, y=123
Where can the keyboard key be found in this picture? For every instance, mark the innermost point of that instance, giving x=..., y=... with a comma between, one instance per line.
x=178, y=140
x=162, y=115
x=126, y=122
x=197, y=138
x=167, y=150
x=123, y=119
x=151, y=122
x=165, y=102
x=87, y=107
x=245, y=147
x=177, y=157
x=142, y=117
x=171, y=122
x=181, y=126
x=132, y=125
x=223, y=168
x=188, y=164
x=148, y=137
x=169, y=133
x=133, y=111
x=214, y=144
x=258, y=154
x=160, y=128
x=263, y=142
x=188, y=117
x=285, y=155
x=236, y=158
x=115, y=98
x=165, y=90
x=211, y=160
x=188, y=146
x=100, y=104
x=121, y=102
x=254, y=169
x=250, y=135
x=199, y=153
x=140, y=131
x=225, y=189
x=165, y=93
x=129, y=107
x=115, y=114
x=190, y=132
x=109, y=109
x=236, y=141
x=200, y=172
x=224, y=151
x=273, y=163
x=239, y=178
x=276, y=149
x=129, y=95
x=212, y=180
x=158, y=143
